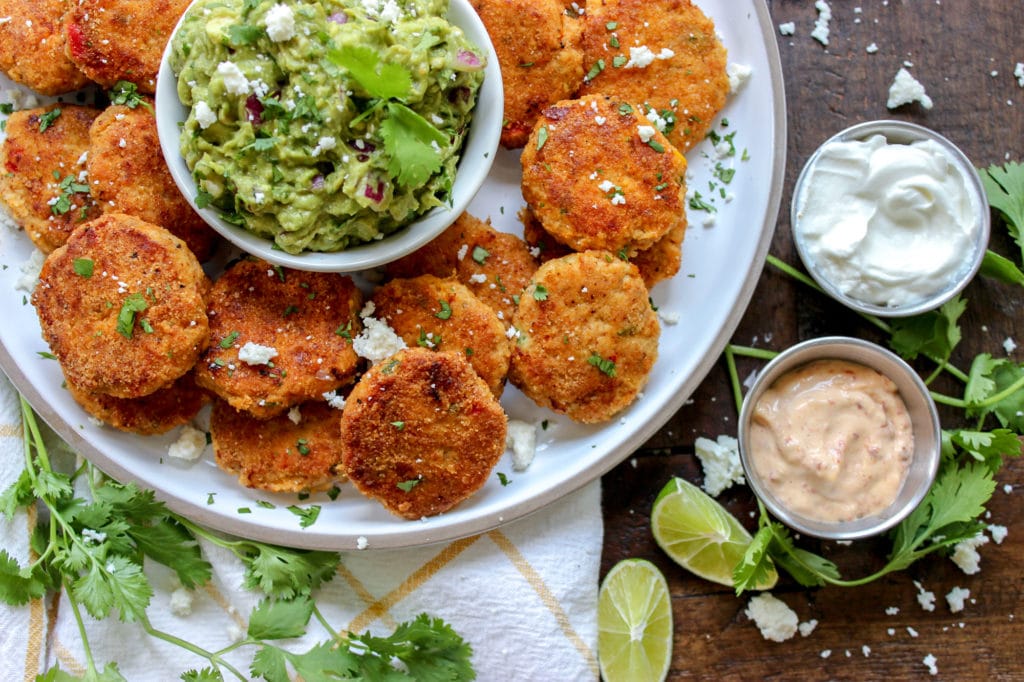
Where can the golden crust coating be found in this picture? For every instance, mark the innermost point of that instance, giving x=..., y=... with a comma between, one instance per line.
x=598, y=175
x=659, y=262
x=441, y=314
x=587, y=336
x=278, y=454
x=114, y=40
x=155, y=413
x=32, y=46
x=308, y=318
x=537, y=44
x=692, y=83
x=421, y=432
x=128, y=174
x=121, y=306
x=496, y=274
x=31, y=157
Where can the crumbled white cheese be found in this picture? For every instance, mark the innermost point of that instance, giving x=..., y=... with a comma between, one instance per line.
x=256, y=354
x=334, y=400
x=181, y=602
x=478, y=278
x=606, y=186
x=235, y=81
x=926, y=598
x=280, y=23
x=1018, y=73
x=1009, y=345
x=776, y=621
x=788, y=28
x=906, y=89
x=521, y=439
x=892, y=610
x=295, y=415
x=326, y=143
x=872, y=48
x=642, y=56
x=998, y=533
x=965, y=554
x=669, y=317
x=645, y=133
x=820, y=32
x=807, y=627
x=866, y=650
x=721, y=463
x=738, y=75
x=930, y=662
x=956, y=598
x=377, y=341
x=362, y=542
x=30, y=271
x=205, y=116
x=190, y=444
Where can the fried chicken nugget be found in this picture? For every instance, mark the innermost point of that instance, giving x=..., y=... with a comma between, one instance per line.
x=421, y=432
x=44, y=181
x=663, y=53
x=441, y=314
x=32, y=46
x=291, y=453
x=115, y=40
x=128, y=174
x=151, y=414
x=493, y=265
x=537, y=44
x=121, y=306
x=279, y=337
x=587, y=336
x=599, y=175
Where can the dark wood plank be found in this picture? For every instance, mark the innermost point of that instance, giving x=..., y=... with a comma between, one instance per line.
x=954, y=46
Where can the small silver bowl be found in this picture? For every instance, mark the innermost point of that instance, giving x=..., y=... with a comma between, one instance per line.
x=924, y=421
x=898, y=132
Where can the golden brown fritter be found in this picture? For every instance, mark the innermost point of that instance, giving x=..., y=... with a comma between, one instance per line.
x=663, y=53
x=598, y=175
x=114, y=40
x=157, y=412
x=587, y=336
x=421, y=432
x=493, y=265
x=279, y=454
x=279, y=337
x=128, y=174
x=121, y=306
x=441, y=314
x=44, y=181
x=32, y=46
x=540, y=240
x=537, y=44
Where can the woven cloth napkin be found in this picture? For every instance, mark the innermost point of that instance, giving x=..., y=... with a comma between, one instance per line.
x=524, y=596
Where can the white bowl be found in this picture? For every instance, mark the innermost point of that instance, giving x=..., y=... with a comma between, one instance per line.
x=478, y=154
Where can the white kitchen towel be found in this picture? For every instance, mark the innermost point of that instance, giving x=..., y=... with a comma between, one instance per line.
x=524, y=596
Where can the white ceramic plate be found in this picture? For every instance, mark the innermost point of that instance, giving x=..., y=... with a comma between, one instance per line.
x=721, y=265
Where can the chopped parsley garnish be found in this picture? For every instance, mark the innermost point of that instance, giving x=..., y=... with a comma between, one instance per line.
x=6, y=108
x=398, y=425
x=290, y=310
x=333, y=493
x=389, y=368
x=68, y=187
x=596, y=69
x=542, y=137
x=656, y=146
x=132, y=305
x=618, y=61
x=605, y=365
x=614, y=42
x=45, y=355
x=243, y=34
x=229, y=340
x=503, y=479
x=302, y=445
x=209, y=498
x=430, y=340
x=612, y=25
x=445, y=312
x=83, y=267
x=407, y=486
x=127, y=94
x=265, y=505
x=203, y=199
x=540, y=293
x=345, y=330
x=47, y=119
x=307, y=515
x=625, y=109
x=480, y=254
x=697, y=203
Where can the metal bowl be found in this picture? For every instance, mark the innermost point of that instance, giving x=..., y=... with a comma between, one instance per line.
x=923, y=416
x=898, y=132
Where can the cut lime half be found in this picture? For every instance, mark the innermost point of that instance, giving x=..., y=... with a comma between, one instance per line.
x=699, y=534
x=634, y=623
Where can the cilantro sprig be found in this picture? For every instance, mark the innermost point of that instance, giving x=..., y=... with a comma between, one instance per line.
x=94, y=551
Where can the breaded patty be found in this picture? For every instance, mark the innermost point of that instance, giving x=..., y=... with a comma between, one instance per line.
x=441, y=314
x=537, y=44
x=421, y=432
x=657, y=263
x=663, y=53
x=598, y=175
x=587, y=336
x=493, y=265
x=299, y=451
x=44, y=181
x=157, y=412
x=128, y=174
x=114, y=40
x=279, y=337
x=32, y=46
x=121, y=306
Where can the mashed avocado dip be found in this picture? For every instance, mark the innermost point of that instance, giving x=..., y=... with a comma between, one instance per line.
x=323, y=124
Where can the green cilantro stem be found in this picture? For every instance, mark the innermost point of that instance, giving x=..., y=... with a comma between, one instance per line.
x=991, y=400
x=214, y=658
x=90, y=664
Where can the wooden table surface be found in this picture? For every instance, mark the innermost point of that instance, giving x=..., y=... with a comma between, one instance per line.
x=964, y=53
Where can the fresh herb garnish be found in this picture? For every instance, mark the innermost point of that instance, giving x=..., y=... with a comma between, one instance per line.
x=46, y=120
x=445, y=312
x=127, y=94
x=407, y=486
x=540, y=292
x=133, y=304
x=229, y=340
x=480, y=254
x=606, y=365
x=83, y=267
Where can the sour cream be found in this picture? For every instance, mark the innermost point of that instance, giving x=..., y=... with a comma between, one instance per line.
x=887, y=224
x=831, y=441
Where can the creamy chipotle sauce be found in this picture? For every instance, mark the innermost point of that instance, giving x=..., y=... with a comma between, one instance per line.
x=832, y=440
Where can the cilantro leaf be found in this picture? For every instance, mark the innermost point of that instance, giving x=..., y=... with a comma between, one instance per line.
x=413, y=145
x=18, y=494
x=170, y=544
x=1005, y=189
x=280, y=619
x=203, y=675
x=989, y=447
x=754, y=567
x=1001, y=268
x=114, y=582
x=429, y=648
x=18, y=585
x=284, y=573
x=134, y=303
x=988, y=378
x=935, y=333
x=381, y=80
x=324, y=661
x=127, y=94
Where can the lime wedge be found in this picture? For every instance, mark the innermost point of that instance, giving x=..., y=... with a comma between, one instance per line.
x=634, y=623
x=699, y=534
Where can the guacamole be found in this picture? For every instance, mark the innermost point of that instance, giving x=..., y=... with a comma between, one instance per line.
x=324, y=124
